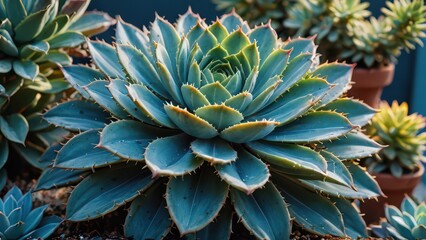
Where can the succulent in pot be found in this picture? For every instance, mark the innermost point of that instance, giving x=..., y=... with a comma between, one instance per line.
x=398, y=167
x=18, y=219
x=408, y=222
x=35, y=37
x=232, y=119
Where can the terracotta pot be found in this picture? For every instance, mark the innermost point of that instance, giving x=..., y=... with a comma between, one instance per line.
x=395, y=189
x=369, y=83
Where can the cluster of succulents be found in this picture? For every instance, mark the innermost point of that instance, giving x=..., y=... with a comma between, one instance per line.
x=408, y=223
x=258, y=12
x=18, y=219
x=345, y=29
x=194, y=122
x=400, y=132
x=35, y=37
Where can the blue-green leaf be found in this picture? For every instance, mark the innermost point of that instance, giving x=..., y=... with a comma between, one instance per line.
x=99, y=92
x=148, y=217
x=220, y=228
x=171, y=156
x=239, y=101
x=14, y=127
x=106, y=190
x=316, y=126
x=49, y=225
x=357, y=112
x=56, y=178
x=77, y=115
x=126, y=33
x=248, y=131
x=246, y=174
x=264, y=212
x=274, y=65
x=118, y=89
x=233, y=21
x=151, y=105
x=30, y=49
x=4, y=151
x=187, y=21
x=195, y=200
x=81, y=152
x=355, y=226
x=5, y=65
x=220, y=116
x=106, y=59
x=128, y=139
x=353, y=146
x=235, y=42
x=32, y=25
x=266, y=38
x=67, y=40
x=311, y=210
x=215, y=93
x=26, y=69
x=214, y=150
x=338, y=74
x=192, y=97
x=79, y=76
x=15, y=11
x=92, y=23
x=299, y=46
x=291, y=159
x=190, y=123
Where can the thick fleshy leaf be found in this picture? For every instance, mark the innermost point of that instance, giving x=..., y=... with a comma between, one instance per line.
x=239, y=101
x=148, y=217
x=128, y=139
x=126, y=33
x=67, y=39
x=220, y=116
x=30, y=49
x=235, y=42
x=56, y=178
x=219, y=31
x=190, y=123
x=311, y=210
x=266, y=38
x=291, y=159
x=79, y=76
x=92, y=23
x=316, y=126
x=26, y=69
x=246, y=174
x=106, y=190
x=264, y=212
x=195, y=200
x=299, y=46
x=274, y=65
x=15, y=11
x=192, y=97
x=215, y=93
x=106, y=59
x=151, y=105
x=81, y=153
x=260, y=101
x=353, y=146
x=336, y=170
x=33, y=24
x=355, y=226
x=138, y=67
x=118, y=89
x=99, y=92
x=187, y=21
x=357, y=112
x=233, y=21
x=170, y=82
x=338, y=74
x=5, y=65
x=77, y=115
x=171, y=156
x=4, y=151
x=49, y=225
x=220, y=228
x=14, y=231
x=14, y=127
x=214, y=150
x=248, y=131
x=7, y=45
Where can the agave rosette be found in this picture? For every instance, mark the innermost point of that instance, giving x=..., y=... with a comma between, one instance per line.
x=18, y=219
x=35, y=37
x=214, y=111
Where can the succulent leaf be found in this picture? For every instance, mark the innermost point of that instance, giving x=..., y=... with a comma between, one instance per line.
x=354, y=224
x=56, y=177
x=214, y=150
x=259, y=212
x=103, y=184
x=201, y=195
x=357, y=112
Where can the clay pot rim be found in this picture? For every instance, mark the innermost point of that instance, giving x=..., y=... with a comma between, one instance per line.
x=373, y=77
x=416, y=174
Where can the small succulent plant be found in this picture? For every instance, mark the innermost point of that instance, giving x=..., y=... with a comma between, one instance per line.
x=231, y=118
x=257, y=12
x=36, y=36
x=409, y=223
x=18, y=219
x=397, y=130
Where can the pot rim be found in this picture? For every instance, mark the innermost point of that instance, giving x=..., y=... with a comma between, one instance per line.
x=416, y=174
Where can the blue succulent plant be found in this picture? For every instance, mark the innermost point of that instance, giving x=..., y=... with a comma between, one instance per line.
x=18, y=219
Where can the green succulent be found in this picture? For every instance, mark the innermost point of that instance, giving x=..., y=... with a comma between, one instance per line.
x=35, y=37
x=258, y=12
x=344, y=31
x=409, y=223
x=393, y=127
x=219, y=119
x=18, y=219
